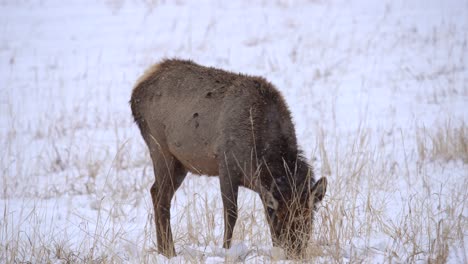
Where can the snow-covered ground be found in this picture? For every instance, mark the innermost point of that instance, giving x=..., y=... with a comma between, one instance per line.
x=378, y=92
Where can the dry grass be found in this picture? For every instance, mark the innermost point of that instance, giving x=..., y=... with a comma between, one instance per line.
x=366, y=184
x=367, y=212
x=382, y=202
x=445, y=142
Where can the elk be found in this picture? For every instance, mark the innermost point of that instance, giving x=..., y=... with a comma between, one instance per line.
x=212, y=122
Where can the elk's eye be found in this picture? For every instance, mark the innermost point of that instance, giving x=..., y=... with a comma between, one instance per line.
x=270, y=210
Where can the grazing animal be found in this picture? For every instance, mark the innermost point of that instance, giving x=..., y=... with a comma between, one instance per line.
x=211, y=122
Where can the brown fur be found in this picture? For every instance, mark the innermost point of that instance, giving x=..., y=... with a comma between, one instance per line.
x=212, y=122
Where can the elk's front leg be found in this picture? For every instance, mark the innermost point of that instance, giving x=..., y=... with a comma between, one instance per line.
x=169, y=174
x=229, y=180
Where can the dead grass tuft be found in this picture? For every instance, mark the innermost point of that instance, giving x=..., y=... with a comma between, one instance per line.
x=444, y=142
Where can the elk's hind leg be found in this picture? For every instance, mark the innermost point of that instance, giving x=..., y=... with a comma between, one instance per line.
x=169, y=174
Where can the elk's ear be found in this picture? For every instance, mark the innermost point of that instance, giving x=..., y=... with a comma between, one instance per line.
x=317, y=192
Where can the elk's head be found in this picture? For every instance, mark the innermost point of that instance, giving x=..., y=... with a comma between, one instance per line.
x=290, y=212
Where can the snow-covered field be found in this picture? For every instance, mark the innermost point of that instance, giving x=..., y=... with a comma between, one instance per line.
x=378, y=92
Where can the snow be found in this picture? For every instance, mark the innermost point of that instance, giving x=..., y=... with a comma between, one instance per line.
x=366, y=82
